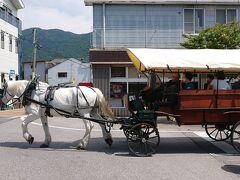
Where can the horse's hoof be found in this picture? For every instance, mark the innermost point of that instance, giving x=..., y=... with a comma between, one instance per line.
x=80, y=148
x=109, y=141
x=44, y=146
x=30, y=139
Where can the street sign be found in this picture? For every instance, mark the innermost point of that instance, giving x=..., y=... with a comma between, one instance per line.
x=12, y=72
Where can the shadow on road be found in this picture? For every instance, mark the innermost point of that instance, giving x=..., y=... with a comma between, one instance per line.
x=232, y=168
x=168, y=145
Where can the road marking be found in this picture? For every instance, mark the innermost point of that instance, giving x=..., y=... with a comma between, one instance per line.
x=115, y=130
x=6, y=119
x=66, y=128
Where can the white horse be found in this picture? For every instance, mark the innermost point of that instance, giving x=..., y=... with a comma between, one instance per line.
x=86, y=101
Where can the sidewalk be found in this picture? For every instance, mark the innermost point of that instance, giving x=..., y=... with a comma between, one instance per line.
x=12, y=113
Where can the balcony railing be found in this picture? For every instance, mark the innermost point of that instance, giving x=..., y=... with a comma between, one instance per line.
x=11, y=19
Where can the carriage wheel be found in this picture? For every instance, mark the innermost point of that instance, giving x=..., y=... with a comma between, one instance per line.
x=218, y=132
x=235, y=138
x=143, y=139
x=126, y=132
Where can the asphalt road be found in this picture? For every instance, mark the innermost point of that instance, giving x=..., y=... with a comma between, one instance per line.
x=184, y=153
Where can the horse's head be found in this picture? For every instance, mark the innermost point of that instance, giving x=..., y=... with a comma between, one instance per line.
x=11, y=89
x=6, y=94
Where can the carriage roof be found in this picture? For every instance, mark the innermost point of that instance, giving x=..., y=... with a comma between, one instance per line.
x=180, y=60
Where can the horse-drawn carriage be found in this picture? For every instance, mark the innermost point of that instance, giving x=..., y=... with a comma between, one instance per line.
x=217, y=110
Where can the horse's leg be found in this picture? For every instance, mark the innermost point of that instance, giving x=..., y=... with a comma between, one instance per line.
x=48, y=139
x=25, y=121
x=106, y=135
x=85, y=140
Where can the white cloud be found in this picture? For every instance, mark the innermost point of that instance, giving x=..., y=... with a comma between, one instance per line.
x=68, y=15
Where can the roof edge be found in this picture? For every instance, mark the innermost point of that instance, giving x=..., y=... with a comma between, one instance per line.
x=18, y=4
x=170, y=2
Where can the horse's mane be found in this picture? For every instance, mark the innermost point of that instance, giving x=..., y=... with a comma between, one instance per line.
x=20, y=85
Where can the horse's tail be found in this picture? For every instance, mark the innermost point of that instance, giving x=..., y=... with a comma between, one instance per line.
x=103, y=105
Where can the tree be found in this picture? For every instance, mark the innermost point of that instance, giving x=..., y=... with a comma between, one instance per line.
x=226, y=36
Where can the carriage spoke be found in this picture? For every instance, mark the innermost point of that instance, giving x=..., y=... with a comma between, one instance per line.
x=151, y=147
x=221, y=134
x=213, y=131
x=226, y=133
x=153, y=137
x=146, y=148
x=216, y=135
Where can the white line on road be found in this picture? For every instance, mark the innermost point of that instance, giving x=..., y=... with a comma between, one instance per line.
x=115, y=130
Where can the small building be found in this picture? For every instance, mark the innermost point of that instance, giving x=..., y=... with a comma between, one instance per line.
x=41, y=68
x=71, y=70
x=10, y=30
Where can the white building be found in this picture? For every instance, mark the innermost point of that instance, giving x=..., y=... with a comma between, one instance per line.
x=71, y=70
x=10, y=28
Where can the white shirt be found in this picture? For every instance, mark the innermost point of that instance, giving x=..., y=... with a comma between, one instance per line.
x=222, y=84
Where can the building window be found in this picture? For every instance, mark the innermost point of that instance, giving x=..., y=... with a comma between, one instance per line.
x=10, y=43
x=62, y=74
x=7, y=9
x=224, y=16
x=127, y=82
x=193, y=21
x=117, y=72
x=16, y=45
x=2, y=39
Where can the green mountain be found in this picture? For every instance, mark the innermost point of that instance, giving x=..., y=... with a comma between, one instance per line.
x=55, y=43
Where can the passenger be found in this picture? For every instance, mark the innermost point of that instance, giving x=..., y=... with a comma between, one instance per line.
x=236, y=85
x=172, y=90
x=219, y=82
x=152, y=92
x=210, y=77
x=152, y=81
x=186, y=82
x=174, y=83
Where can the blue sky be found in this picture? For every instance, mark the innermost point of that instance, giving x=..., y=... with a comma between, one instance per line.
x=68, y=15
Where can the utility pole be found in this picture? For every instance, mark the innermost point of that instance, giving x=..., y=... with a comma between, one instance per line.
x=35, y=46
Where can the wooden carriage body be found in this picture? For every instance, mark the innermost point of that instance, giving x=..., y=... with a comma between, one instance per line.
x=206, y=107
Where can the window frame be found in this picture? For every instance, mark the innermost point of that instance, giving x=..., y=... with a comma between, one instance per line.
x=226, y=11
x=62, y=73
x=126, y=80
x=2, y=40
x=16, y=45
x=10, y=42
x=194, y=20
x=126, y=73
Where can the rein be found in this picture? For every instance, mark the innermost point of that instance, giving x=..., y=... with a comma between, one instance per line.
x=68, y=114
x=6, y=92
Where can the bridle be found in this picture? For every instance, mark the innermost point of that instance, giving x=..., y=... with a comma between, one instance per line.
x=5, y=92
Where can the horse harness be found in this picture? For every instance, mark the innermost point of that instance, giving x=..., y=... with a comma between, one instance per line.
x=28, y=92
x=49, y=96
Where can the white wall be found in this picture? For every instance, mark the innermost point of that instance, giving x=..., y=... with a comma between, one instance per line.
x=9, y=4
x=76, y=71
x=8, y=60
